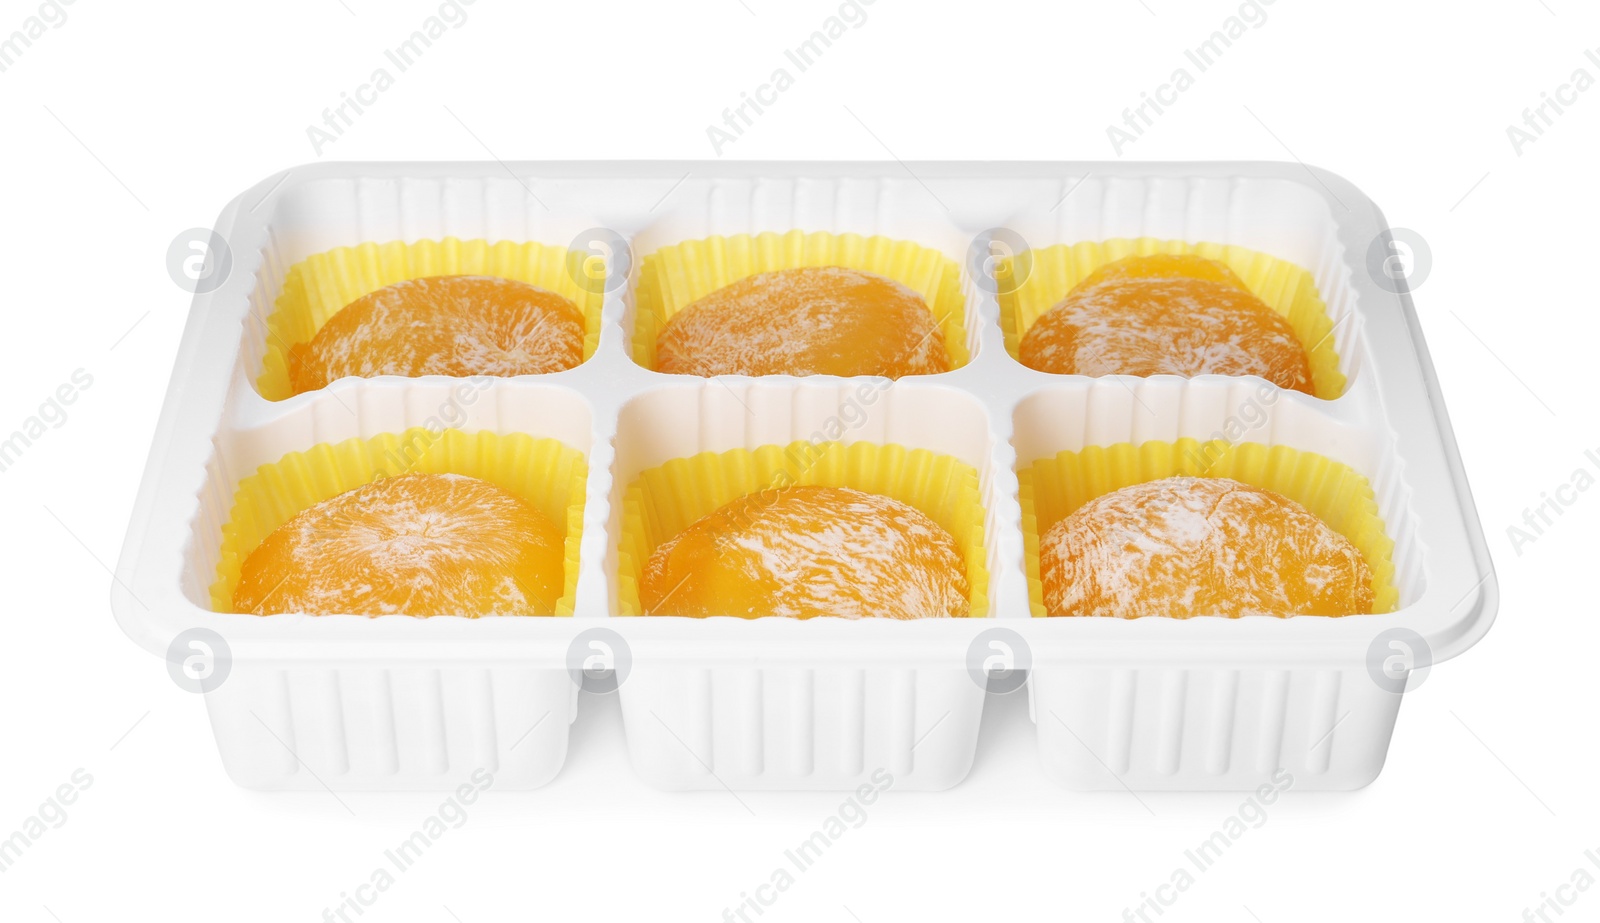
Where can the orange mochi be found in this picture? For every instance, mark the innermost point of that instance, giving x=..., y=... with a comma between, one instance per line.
x=1186, y=546
x=1166, y=314
x=414, y=544
x=443, y=325
x=817, y=320
x=808, y=551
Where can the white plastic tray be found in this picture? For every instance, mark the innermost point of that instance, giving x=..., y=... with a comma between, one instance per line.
x=350, y=702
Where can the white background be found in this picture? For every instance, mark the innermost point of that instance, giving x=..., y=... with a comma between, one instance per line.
x=126, y=125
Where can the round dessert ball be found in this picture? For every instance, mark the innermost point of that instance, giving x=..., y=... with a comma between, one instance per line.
x=443, y=325
x=1184, y=546
x=1166, y=315
x=414, y=544
x=803, y=552
x=820, y=320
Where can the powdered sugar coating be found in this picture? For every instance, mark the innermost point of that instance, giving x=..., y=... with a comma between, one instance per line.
x=415, y=544
x=443, y=325
x=820, y=320
x=1128, y=324
x=1185, y=546
x=802, y=552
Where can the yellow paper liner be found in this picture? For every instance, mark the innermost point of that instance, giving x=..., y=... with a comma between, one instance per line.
x=1052, y=488
x=319, y=286
x=665, y=500
x=1285, y=287
x=543, y=472
x=673, y=277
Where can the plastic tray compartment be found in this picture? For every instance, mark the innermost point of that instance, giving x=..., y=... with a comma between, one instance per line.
x=774, y=703
x=1207, y=703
